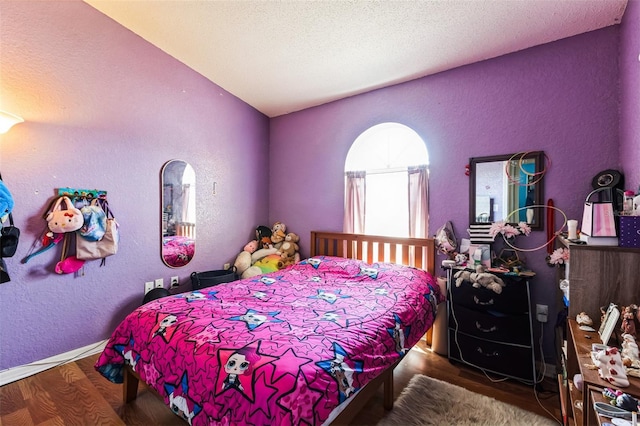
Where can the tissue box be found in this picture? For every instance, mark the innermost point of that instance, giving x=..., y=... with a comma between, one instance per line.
x=629, y=231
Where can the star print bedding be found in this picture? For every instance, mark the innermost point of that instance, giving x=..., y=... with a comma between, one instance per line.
x=289, y=347
x=177, y=251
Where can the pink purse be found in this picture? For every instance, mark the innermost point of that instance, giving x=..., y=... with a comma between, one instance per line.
x=598, y=217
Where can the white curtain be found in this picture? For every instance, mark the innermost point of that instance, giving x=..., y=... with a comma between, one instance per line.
x=354, y=203
x=418, y=201
x=185, y=199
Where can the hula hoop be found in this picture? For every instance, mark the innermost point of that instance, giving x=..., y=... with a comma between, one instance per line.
x=541, y=172
x=548, y=242
x=517, y=182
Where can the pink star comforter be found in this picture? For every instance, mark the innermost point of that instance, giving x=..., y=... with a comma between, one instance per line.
x=285, y=348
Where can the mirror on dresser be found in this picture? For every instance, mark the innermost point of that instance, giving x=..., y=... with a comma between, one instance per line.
x=178, y=211
x=502, y=184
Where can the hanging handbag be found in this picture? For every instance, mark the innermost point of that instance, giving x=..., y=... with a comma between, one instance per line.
x=61, y=220
x=106, y=246
x=598, y=218
x=95, y=222
x=9, y=239
x=9, y=235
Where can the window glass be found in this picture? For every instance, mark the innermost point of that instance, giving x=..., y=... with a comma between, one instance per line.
x=385, y=152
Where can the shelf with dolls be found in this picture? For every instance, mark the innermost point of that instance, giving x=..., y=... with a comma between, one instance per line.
x=595, y=374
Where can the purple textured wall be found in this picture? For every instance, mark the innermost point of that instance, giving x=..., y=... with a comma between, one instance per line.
x=630, y=95
x=105, y=109
x=560, y=98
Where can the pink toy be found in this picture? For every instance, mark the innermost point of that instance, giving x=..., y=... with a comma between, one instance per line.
x=251, y=246
x=69, y=265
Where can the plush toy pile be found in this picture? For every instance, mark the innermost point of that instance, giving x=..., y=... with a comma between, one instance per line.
x=272, y=250
x=480, y=278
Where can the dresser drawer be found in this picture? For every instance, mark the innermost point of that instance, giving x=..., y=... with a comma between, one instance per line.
x=509, y=328
x=507, y=360
x=513, y=299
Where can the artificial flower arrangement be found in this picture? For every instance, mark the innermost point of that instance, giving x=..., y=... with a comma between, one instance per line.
x=508, y=230
x=559, y=256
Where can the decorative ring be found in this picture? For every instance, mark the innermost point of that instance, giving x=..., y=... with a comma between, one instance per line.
x=524, y=172
x=541, y=172
x=515, y=181
x=548, y=242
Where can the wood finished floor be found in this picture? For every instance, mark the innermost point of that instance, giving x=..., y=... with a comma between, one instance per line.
x=75, y=394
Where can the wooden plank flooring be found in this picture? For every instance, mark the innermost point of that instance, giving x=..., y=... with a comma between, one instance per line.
x=75, y=394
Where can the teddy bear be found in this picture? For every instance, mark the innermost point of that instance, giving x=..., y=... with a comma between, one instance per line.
x=480, y=278
x=278, y=233
x=289, y=247
x=461, y=276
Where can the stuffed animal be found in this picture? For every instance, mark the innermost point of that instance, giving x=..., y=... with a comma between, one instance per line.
x=487, y=280
x=461, y=276
x=480, y=279
x=245, y=262
x=289, y=247
x=278, y=233
x=265, y=242
x=244, y=267
x=610, y=367
x=284, y=262
x=262, y=232
x=251, y=246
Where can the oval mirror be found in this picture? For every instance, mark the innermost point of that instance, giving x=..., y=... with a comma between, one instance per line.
x=502, y=188
x=178, y=239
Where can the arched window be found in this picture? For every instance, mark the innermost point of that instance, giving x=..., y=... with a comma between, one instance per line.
x=386, y=183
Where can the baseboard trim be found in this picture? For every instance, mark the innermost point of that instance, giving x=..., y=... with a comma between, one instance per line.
x=20, y=372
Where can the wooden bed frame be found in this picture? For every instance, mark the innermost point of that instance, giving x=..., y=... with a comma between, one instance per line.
x=416, y=252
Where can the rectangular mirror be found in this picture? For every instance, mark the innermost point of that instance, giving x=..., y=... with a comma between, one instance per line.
x=503, y=187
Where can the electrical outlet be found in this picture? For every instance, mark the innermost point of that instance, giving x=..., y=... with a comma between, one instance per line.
x=175, y=282
x=159, y=283
x=542, y=313
x=226, y=266
x=148, y=286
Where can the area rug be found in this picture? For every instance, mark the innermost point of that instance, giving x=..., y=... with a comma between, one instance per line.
x=428, y=401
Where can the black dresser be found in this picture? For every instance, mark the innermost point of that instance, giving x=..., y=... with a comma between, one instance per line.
x=492, y=331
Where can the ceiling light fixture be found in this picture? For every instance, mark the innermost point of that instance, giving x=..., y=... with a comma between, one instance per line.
x=8, y=120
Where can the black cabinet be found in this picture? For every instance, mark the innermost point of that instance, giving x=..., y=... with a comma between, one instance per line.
x=492, y=331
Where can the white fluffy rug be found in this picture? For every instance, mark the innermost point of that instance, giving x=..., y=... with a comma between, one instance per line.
x=428, y=401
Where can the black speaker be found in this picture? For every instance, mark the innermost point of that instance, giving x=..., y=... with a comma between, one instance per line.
x=614, y=180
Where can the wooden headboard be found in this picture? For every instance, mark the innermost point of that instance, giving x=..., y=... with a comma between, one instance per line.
x=417, y=252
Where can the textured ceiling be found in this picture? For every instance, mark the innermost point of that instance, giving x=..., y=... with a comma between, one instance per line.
x=284, y=56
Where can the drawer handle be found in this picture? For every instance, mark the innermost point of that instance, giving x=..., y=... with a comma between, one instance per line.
x=489, y=354
x=479, y=302
x=486, y=330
